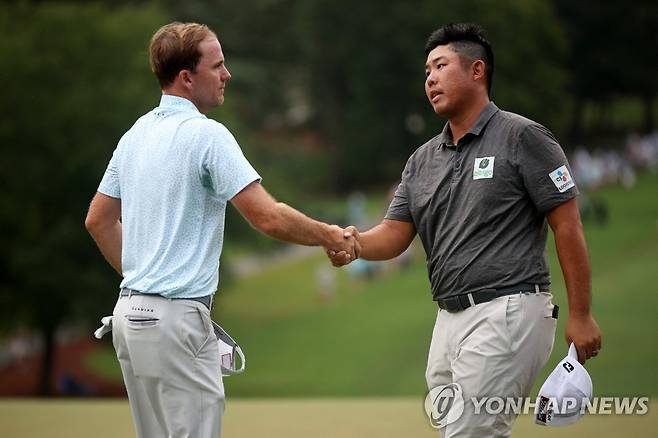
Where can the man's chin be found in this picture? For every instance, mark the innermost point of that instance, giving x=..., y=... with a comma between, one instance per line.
x=441, y=112
x=445, y=111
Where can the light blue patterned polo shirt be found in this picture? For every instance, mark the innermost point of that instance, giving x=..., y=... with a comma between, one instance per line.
x=174, y=171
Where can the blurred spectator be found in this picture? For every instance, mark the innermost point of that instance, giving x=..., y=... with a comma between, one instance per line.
x=325, y=277
x=643, y=151
x=361, y=268
x=593, y=209
x=357, y=214
x=71, y=386
x=19, y=348
x=600, y=168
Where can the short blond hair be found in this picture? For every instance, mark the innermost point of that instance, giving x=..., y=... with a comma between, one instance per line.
x=175, y=47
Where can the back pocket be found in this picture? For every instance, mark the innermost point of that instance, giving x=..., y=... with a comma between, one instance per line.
x=143, y=343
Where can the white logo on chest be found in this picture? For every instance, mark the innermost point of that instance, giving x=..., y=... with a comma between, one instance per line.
x=483, y=167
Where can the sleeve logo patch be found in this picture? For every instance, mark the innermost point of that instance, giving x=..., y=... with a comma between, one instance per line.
x=483, y=168
x=562, y=179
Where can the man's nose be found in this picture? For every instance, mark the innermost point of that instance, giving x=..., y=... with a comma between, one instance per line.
x=430, y=80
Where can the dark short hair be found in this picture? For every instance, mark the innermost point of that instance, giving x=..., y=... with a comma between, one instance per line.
x=175, y=47
x=469, y=41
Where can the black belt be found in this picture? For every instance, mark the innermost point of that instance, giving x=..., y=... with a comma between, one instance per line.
x=460, y=302
x=206, y=301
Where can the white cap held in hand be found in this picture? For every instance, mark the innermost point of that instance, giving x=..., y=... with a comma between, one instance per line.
x=563, y=397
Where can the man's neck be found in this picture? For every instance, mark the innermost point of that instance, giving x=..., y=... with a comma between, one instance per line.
x=461, y=123
x=173, y=91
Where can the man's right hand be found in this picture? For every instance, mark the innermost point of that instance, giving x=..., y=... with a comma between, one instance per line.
x=343, y=256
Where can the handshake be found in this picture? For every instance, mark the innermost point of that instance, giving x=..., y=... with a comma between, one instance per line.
x=344, y=246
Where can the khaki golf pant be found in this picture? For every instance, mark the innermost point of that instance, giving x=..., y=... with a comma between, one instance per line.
x=493, y=349
x=171, y=366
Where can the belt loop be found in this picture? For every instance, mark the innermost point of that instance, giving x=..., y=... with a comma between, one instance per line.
x=470, y=299
x=537, y=288
x=130, y=293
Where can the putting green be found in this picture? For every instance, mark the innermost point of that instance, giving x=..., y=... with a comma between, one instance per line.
x=289, y=418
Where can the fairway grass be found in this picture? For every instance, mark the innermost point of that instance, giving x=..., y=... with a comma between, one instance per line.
x=288, y=418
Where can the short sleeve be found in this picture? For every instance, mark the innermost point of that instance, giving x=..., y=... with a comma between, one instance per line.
x=544, y=168
x=399, y=208
x=224, y=166
x=110, y=183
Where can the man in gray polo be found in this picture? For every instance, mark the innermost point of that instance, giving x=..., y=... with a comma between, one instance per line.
x=158, y=218
x=479, y=195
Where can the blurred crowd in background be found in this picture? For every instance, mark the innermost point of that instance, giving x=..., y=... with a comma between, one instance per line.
x=600, y=167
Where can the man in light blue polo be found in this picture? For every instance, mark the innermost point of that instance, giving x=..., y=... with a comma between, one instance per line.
x=158, y=218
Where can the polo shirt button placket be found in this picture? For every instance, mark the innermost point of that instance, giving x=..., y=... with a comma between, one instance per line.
x=457, y=166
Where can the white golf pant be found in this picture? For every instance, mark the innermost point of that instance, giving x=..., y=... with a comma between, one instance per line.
x=493, y=349
x=171, y=366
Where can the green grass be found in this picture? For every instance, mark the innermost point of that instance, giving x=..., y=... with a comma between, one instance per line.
x=624, y=258
x=372, y=339
x=330, y=418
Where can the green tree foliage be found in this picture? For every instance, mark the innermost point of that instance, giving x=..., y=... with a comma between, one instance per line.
x=261, y=50
x=366, y=70
x=612, y=53
x=76, y=77
x=359, y=66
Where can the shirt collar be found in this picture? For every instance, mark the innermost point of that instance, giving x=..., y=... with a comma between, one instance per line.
x=485, y=115
x=176, y=102
x=445, y=137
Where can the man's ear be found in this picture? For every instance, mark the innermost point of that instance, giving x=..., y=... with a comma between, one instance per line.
x=478, y=70
x=185, y=77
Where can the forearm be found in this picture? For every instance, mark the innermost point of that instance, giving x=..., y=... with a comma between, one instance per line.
x=581, y=328
x=108, y=239
x=574, y=261
x=283, y=222
x=290, y=225
x=385, y=242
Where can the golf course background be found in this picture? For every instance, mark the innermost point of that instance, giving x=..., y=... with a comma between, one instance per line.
x=326, y=100
x=290, y=418
x=353, y=367
x=372, y=338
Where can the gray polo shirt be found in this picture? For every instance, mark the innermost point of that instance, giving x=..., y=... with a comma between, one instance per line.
x=479, y=206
